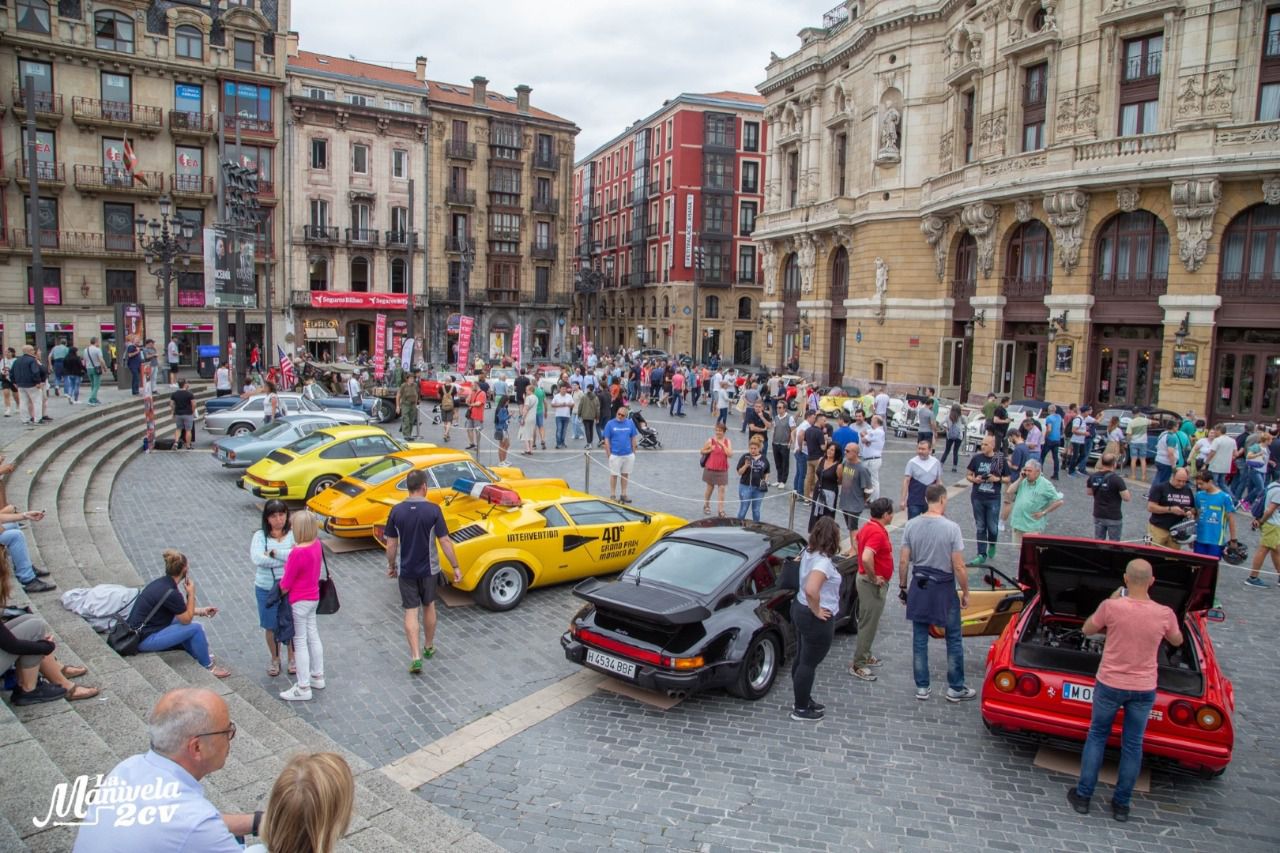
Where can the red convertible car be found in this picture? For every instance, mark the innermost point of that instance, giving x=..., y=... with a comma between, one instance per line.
x=1040, y=672
x=429, y=387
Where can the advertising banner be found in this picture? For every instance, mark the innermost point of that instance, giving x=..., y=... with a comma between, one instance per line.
x=380, y=346
x=517, y=341
x=465, y=324
x=406, y=355
x=395, y=337
x=366, y=301
x=228, y=279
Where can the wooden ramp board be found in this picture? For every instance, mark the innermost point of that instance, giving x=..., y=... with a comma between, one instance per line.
x=453, y=597
x=1068, y=763
x=348, y=546
x=652, y=698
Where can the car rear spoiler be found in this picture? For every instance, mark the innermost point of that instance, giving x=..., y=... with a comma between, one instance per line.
x=645, y=603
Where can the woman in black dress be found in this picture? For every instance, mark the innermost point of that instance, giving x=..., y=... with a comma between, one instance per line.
x=826, y=485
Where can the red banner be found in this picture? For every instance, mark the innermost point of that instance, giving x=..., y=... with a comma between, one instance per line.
x=369, y=301
x=379, y=346
x=395, y=336
x=517, y=340
x=465, y=324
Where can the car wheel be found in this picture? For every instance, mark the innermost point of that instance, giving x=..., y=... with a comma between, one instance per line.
x=759, y=668
x=503, y=587
x=240, y=429
x=381, y=412
x=319, y=484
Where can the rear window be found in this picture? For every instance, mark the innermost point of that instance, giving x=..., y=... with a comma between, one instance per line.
x=686, y=565
x=272, y=430
x=310, y=443
x=379, y=472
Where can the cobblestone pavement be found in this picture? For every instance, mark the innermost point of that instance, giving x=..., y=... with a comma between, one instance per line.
x=881, y=772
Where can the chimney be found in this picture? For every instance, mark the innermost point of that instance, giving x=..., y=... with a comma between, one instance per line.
x=478, y=90
x=420, y=69
x=522, y=98
x=291, y=44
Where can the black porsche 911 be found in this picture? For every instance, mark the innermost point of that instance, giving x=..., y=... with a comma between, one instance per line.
x=708, y=605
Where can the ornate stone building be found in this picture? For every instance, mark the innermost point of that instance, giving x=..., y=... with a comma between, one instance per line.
x=1061, y=201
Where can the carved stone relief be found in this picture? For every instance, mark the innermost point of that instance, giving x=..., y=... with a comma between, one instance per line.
x=935, y=229
x=979, y=219
x=1127, y=199
x=991, y=131
x=1271, y=190
x=1190, y=95
x=1022, y=210
x=1195, y=201
x=770, y=268
x=1066, y=210
x=946, y=149
x=1219, y=88
x=806, y=257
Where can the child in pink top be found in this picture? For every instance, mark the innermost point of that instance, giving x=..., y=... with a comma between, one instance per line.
x=301, y=582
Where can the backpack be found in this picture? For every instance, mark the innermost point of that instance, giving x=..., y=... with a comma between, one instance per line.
x=1272, y=495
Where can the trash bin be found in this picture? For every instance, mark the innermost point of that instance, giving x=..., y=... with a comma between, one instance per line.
x=208, y=356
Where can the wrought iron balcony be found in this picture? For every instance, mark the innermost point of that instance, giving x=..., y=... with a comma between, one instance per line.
x=321, y=234
x=652, y=230
x=456, y=244
x=595, y=211
x=48, y=105
x=200, y=125
x=191, y=186
x=460, y=149
x=655, y=187
x=544, y=251
x=546, y=160
x=611, y=242
x=249, y=125
x=1114, y=287
x=103, y=179
x=78, y=243
x=401, y=239
x=460, y=196
x=1032, y=287
x=546, y=205
x=114, y=114
x=963, y=288
x=504, y=297
x=362, y=237
x=749, y=277
x=50, y=175
x=613, y=205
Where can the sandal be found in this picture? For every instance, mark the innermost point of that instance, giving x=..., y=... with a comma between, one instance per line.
x=293, y=669
x=706, y=510
x=219, y=671
x=78, y=691
x=274, y=669
x=874, y=662
x=862, y=673
x=73, y=671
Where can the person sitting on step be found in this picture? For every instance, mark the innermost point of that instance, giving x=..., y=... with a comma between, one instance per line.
x=15, y=542
x=27, y=646
x=164, y=615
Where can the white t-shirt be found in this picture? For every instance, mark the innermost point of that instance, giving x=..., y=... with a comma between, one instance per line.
x=1202, y=449
x=1223, y=447
x=829, y=593
x=562, y=405
x=872, y=441
x=797, y=435
x=881, y=404
x=353, y=387
x=222, y=379
x=924, y=471
x=173, y=352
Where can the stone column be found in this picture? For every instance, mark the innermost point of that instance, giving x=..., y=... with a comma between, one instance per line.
x=1066, y=385
x=1198, y=310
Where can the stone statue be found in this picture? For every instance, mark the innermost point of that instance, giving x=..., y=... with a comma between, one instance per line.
x=1050, y=18
x=882, y=280
x=806, y=254
x=975, y=43
x=889, y=132
x=770, y=269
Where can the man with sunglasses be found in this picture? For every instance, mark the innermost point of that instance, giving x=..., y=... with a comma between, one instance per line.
x=154, y=801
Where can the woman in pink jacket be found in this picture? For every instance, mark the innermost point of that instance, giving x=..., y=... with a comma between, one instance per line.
x=301, y=582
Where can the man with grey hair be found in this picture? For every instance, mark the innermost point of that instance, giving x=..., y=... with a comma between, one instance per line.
x=1034, y=497
x=191, y=733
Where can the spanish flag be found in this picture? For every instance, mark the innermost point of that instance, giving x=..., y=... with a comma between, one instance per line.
x=131, y=163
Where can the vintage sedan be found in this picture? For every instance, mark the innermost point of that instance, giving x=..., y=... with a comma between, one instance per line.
x=1160, y=419
x=312, y=464
x=241, y=451
x=429, y=387
x=247, y=415
x=510, y=539
x=1040, y=673
x=359, y=502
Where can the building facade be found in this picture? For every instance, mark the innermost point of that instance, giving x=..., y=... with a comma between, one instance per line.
x=158, y=75
x=1062, y=201
x=664, y=215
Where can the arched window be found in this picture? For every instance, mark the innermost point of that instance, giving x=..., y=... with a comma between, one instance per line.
x=840, y=275
x=360, y=274
x=1029, y=267
x=713, y=308
x=791, y=275
x=113, y=31
x=666, y=306
x=188, y=42
x=399, y=276
x=1250, y=264
x=965, y=283
x=1133, y=256
x=744, y=308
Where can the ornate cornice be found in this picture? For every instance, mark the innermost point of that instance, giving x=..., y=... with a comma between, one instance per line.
x=1066, y=210
x=1195, y=201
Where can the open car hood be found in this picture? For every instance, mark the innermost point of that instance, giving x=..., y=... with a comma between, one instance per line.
x=1074, y=576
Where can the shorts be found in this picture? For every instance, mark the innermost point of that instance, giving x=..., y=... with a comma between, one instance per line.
x=266, y=615
x=185, y=423
x=1270, y=536
x=499, y=434
x=1137, y=447
x=446, y=416
x=539, y=420
x=417, y=592
x=472, y=423
x=851, y=519
x=1208, y=550
x=621, y=464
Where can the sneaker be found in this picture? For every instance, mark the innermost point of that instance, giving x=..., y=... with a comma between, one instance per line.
x=923, y=693
x=1246, y=506
x=429, y=652
x=1256, y=583
x=1119, y=812
x=42, y=573
x=1079, y=803
x=38, y=585
x=296, y=693
x=964, y=694
x=44, y=691
x=317, y=682
x=817, y=706
x=415, y=667
x=979, y=560
x=806, y=715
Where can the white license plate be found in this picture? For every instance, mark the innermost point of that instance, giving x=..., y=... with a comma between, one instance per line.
x=610, y=663
x=1077, y=693
x=222, y=455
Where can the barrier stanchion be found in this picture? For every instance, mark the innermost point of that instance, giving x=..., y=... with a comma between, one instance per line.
x=791, y=513
x=586, y=470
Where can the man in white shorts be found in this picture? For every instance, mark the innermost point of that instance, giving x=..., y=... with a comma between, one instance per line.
x=620, y=440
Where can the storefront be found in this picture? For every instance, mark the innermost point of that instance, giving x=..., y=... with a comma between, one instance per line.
x=53, y=331
x=342, y=323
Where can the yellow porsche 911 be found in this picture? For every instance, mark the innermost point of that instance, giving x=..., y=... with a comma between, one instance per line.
x=312, y=464
x=511, y=538
x=356, y=503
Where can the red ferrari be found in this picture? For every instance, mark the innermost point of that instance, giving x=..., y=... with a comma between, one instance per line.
x=1040, y=672
x=429, y=386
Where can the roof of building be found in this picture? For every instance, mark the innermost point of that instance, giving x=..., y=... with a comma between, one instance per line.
x=744, y=97
x=726, y=100
x=457, y=95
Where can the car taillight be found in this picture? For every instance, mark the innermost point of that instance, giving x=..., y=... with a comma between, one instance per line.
x=1182, y=713
x=1028, y=684
x=1005, y=681
x=345, y=522
x=1209, y=718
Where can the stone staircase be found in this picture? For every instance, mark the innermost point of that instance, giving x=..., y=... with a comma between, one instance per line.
x=68, y=470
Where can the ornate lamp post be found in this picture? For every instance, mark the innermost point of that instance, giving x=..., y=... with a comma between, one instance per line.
x=162, y=245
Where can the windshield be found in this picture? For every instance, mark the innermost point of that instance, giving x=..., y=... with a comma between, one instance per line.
x=382, y=470
x=275, y=429
x=686, y=565
x=310, y=443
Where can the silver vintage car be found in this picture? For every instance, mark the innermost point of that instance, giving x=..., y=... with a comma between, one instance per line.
x=247, y=415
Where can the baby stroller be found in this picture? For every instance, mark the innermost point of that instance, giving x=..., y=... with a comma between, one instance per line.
x=648, y=436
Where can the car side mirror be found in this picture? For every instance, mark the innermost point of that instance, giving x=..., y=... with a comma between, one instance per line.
x=1216, y=614
x=646, y=519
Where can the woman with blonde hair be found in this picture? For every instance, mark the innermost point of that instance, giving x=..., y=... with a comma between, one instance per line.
x=310, y=806
x=301, y=582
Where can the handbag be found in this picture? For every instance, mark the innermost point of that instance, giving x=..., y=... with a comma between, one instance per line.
x=702, y=463
x=279, y=599
x=124, y=638
x=328, y=604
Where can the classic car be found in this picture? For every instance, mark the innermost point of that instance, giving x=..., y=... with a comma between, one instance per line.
x=353, y=506
x=312, y=464
x=247, y=415
x=708, y=605
x=548, y=377
x=429, y=386
x=1040, y=673
x=338, y=404
x=510, y=540
x=1160, y=420
x=241, y=451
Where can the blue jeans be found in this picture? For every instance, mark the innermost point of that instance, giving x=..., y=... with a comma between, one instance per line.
x=577, y=428
x=802, y=468
x=749, y=497
x=1137, y=709
x=677, y=403
x=71, y=385
x=916, y=509
x=632, y=387
x=1248, y=484
x=562, y=425
x=1105, y=528
x=135, y=377
x=1162, y=475
x=1051, y=449
x=190, y=637
x=986, y=516
x=1079, y=457
x=13, y=540
x=1220, y=480
x=723, y=416
x=955, y=650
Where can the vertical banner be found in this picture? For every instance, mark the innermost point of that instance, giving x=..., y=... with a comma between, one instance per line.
x=688, y=230
x=406, y=355
x=586, y=347
x=465, y=325
x=380, y=346
x=517, y=341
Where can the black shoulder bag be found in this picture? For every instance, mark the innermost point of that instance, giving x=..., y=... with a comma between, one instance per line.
x=125, y=638
x=328, y=604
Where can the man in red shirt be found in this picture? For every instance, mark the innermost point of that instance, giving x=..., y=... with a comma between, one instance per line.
x=1135, y=625
x=475, y=414
x=875, y=569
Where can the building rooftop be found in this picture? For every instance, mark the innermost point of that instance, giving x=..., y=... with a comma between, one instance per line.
x=458, y=95
x=726, y=100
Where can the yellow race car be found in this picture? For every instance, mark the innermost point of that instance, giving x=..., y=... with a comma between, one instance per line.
x=509, y=540
x=355, y=504
x=312, y=464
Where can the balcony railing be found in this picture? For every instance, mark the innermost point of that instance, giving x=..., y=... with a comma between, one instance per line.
x=722, y=277
x=504, y=248
x=460, y=196
x=546, y=205
x=499, y=232
x=749, y=277
x=544, y=251
x=249, y=124
x=504, y=297
x=325, y=234
x=1017, y=287
x=1127, y=145
x=266, y=188
x=190, y=124
x=613, y=205
x=362, y=236
x=93, y=243
x=48, y=104
x=460, y=149
x=195, y=185
x=455, y=243
x=117, y=180
x=400, y=239
x=611, y=242
x=1114, y=287
x=1136, y=68
x=640, y=278
x=546, y=160
x=99, y=112
x=595, y=211
x=1263, y=288
x=655, y=187
x=651, y=230
x=963, y=288
x=46, y=173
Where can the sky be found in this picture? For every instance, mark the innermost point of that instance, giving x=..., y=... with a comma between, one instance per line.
x=600, y=63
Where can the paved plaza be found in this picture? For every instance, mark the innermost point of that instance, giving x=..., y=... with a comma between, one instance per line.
x=880, y=772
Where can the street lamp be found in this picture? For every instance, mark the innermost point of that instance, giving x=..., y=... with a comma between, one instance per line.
x=161, y=246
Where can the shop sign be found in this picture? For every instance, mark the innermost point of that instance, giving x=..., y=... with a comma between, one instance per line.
x=52, y=327
x=321, y=330
x=366, y=301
